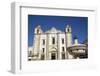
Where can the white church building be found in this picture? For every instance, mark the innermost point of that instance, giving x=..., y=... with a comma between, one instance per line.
x=55, y=44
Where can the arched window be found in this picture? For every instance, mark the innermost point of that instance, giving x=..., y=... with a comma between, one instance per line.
x=37, y=30
x=68, y=29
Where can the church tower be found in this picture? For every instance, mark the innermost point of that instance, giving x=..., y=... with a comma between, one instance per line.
x=68, y=34
x=36, y=42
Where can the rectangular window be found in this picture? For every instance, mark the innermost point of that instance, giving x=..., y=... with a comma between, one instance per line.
x=43, y=50
x=63, y=49
x=43, y=42
x=63, y=56
x=62, y=40
x=53, y=40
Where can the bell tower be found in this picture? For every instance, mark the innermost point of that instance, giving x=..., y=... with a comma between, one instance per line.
x=68, y=32
x=36, y=42
x=68, y=35
x=38, y=30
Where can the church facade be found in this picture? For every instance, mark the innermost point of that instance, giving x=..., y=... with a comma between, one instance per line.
x=55, y=44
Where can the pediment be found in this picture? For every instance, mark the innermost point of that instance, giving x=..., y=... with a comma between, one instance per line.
x=53, y=30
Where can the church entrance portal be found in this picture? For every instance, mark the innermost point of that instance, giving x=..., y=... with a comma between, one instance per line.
x=53, y=56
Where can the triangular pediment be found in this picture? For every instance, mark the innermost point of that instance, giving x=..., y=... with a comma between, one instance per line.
x=53, y=30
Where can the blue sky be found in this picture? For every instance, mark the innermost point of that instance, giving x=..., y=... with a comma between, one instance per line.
x=79, y=25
